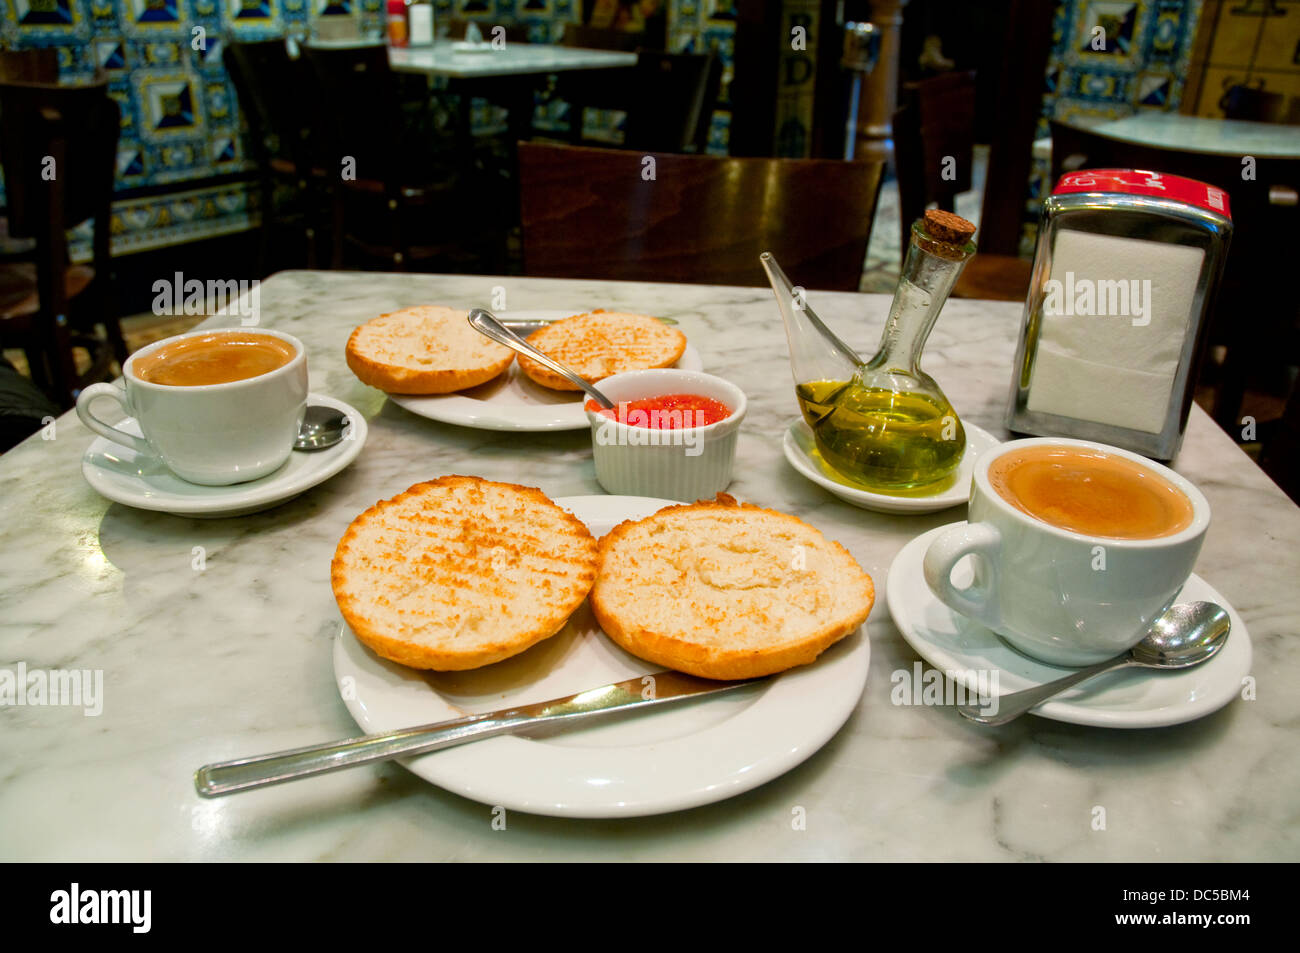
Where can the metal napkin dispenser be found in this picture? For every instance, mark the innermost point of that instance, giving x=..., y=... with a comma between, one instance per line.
x=1125, y=271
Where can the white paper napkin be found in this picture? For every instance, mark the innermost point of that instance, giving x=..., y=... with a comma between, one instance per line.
x=1115, y=369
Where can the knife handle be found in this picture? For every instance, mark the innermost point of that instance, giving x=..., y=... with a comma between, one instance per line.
x=230, y=777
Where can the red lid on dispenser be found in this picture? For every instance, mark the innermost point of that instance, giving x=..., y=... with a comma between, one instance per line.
x=1153, y=184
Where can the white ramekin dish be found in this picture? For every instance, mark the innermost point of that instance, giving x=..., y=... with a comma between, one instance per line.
x=687, y=464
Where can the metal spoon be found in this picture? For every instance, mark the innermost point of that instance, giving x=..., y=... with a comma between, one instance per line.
x=1183, y=635
x=484, y=323
x=322, y=427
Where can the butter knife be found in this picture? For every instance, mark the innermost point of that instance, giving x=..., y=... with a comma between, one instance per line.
x=558, y=714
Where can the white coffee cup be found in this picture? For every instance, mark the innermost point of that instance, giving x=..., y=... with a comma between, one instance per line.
x=1059, y=596
x=210, y=434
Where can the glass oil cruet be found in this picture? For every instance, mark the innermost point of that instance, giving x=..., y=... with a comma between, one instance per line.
x=883, y=424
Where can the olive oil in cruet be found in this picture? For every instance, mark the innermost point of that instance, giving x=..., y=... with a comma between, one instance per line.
x=883, y=424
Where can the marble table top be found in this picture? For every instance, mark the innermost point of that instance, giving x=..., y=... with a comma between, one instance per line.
x=235, y=660
x=513, y=59
x=1203, y=134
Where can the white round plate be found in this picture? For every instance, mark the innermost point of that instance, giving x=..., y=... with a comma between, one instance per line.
x=123, y=476
x=679, y=757
x=1130, y=698
x=802, y=453
x=512, y=401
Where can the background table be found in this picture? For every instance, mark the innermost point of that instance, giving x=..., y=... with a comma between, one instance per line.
x=512, y=59
x=507, y=76
x=1194, y=134
x=1201, y=134
x=235, y=660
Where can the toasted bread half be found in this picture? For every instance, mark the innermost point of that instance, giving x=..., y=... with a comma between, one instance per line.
x=461, y=572
x=728, y=591
x=602, y=343
x=424, y=350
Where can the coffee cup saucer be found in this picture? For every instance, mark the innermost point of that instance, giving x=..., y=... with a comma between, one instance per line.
x=1130, y=698
x=123, y=476
x=802, y=454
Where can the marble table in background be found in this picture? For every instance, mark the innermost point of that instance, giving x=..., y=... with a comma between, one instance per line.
x=1203, y=134
x=512, y=59
x=236, y=660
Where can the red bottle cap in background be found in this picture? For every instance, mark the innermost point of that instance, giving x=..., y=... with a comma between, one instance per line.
x=1153, y=184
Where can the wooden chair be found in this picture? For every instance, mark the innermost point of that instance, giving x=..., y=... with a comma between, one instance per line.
x=401, y=194
x=29, y=66
x=1252, y=102
x=598, y=38
x=454, y=29
x=669, y=99
x=934, y=149
x=58, y=145
x=25, y=66
x=1026, y=46
x=605, y=213
x=1254, y=315
x=606, y=37
x=276, y=101
x=934, y=144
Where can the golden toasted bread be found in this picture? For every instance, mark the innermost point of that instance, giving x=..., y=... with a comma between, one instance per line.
x=600, y=344
x=461, y=572
x=424, y=350
x=728, y=591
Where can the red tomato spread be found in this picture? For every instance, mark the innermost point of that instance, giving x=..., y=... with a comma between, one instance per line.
x=669, y=412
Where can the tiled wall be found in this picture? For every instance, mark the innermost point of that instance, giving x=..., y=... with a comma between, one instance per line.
x=180, y=125
x=1142, y=64
x=1138, y=61
x=180, y=115
x=1254, y=42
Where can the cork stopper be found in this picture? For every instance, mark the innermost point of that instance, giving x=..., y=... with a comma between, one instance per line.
x=946, y=227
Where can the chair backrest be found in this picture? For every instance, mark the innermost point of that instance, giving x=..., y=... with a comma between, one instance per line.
x=598, y=38
x=934, y=144
x=602, y=213
x=1252, y=103
x=359, y=91
x=669, y=98
x=274, y=98
x=454, y=29
x=675, y=97
x=1019, y=86
x=29, y=66
x=60, y=138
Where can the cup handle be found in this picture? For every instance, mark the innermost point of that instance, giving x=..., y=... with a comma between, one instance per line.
x=89, y=396
x=968, y=539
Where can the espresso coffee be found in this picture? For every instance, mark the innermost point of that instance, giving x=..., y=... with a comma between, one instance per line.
x=1090, y=492
x=213, y=359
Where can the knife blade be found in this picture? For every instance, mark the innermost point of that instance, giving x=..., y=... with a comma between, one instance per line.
x=556, y=714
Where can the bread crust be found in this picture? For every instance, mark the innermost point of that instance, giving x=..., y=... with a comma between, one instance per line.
x=564, y=597
x=599, y=344
x=679, y=650
x=395, y=378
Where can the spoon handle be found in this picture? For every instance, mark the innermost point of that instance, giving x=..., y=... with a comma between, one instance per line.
x=1007, y=708
x=484, y=323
